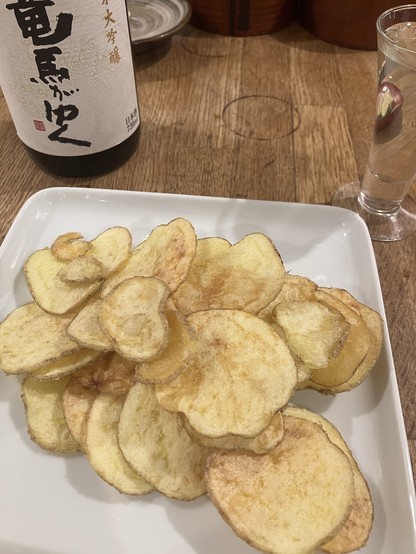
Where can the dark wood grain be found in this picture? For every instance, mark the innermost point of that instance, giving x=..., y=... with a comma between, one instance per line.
x=203, y=133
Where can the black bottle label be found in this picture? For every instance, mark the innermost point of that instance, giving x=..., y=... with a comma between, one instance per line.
x=67, y=74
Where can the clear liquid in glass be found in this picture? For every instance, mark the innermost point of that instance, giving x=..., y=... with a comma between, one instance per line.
x=392, y=159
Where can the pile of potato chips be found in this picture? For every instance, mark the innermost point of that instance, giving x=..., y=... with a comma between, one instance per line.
x=172, y=366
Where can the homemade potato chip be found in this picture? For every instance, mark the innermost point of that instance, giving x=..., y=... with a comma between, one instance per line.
x=291, y=499
x=246, y=276
x=353, y=351
x=48, y=290
x=259, y=444
x=65, y=365
x=242, y=377
x=85, y=328
x=314, y=331
x=31, y=338
x=45, y=418
x=70, y=245
x=77, y=401
x=115, y=377
x=111, y=248
x=102, y=448
x=133, y=318
x=43, y=270
x=108, y=372
x=354, y=533
x=166, y=254
x=157, y=447
x=345, y=297
x=178, y=353
x=295, y=287
x=80, y=393
x=84, y=269
x=207, y=250
x=374, y=324
x=93, y=373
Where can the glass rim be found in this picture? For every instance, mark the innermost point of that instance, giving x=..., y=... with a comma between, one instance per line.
x=382, y=33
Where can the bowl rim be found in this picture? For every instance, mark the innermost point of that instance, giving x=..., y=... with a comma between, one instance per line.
x=172, y=30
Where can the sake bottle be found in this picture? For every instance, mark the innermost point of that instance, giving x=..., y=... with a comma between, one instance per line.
x=67, y=74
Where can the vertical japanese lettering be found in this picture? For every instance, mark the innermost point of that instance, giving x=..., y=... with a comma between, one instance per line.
x=114, y=55
x=33, y=20
x=49, y=31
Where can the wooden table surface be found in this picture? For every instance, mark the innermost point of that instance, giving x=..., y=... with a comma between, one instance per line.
x=203, y=99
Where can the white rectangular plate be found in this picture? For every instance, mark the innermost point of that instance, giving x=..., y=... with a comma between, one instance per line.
x=57, y=505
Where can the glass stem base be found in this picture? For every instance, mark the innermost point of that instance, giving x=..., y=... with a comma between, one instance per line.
x=382, y=226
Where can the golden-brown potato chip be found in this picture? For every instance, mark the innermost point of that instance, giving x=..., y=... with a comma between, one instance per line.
x=111, y=248
x=43, y=270
x=178, y=353
x=91, y=374
x=83, y=269
x=116, y=377
x=132, y=316
x=291, y=499
x=246, y=276
x=243, y=375
x=45, y=418
x=166, y=254
x=77, y=401
x=65, y=365
x=85, y=328
x=109, y=373
x=102, y=448
x=353, y=351
x=31, y=338
x=259, y=444
x=345, y=297
x=354, y=534
x=157, y=447
x=68, y=246
x=207, y=250
x=295, y=287
x=48, y=290
x=314, y=331
x=374, y=323
x=80, y=393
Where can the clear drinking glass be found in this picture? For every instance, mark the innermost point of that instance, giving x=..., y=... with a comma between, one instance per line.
x=381, y=198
